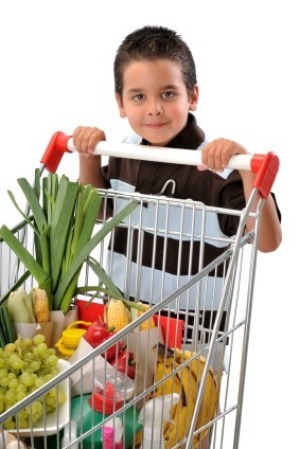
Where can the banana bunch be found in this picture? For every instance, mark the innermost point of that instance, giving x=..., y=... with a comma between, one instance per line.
x=185, y=382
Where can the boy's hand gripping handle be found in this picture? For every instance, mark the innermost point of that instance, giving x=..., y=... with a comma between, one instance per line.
x=265, y=165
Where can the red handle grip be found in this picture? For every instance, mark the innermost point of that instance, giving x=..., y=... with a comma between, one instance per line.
x=55, y=150
x=266, y=166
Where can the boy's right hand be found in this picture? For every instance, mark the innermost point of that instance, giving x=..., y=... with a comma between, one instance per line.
x=85, y=139
x=216, y=154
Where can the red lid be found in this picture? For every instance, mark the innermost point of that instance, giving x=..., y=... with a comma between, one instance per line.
x=106, y=401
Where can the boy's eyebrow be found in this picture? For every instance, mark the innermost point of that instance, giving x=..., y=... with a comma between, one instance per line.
x=170, y=86
x=167, y=87
x=134, y=90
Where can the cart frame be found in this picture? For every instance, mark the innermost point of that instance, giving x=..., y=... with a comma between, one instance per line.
x=239, y=273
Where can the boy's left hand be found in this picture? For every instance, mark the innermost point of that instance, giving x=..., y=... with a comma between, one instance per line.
x=216, y=154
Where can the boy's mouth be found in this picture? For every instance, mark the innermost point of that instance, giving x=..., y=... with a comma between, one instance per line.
x=155, y=125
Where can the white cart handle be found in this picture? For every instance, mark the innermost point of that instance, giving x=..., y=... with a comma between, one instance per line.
x=160, y=154
x=265, y=165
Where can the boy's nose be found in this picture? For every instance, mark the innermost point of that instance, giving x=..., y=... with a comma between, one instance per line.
x=155, y=108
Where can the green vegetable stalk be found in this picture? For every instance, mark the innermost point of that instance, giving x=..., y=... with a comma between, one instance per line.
x=62, y=215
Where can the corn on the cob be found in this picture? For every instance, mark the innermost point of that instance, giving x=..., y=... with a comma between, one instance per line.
x=19, y=307
x=116, y=314
x=148, y=324
x=40, y=305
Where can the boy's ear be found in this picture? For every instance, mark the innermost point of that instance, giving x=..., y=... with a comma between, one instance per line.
x=120, y=105
x=194, y=98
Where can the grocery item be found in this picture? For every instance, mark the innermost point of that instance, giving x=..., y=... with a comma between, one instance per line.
x=125, y=363
x=26, y=365
x=70, y=338
x=185, y=381
x=117, y=315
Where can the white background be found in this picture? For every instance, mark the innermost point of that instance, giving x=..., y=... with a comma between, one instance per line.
x=56, y=73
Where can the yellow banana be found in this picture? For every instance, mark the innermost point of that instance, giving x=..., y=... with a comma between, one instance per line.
x=186, y=383
x=210, y=398
x=184, y=411
x=171, y=384
x=174, y=432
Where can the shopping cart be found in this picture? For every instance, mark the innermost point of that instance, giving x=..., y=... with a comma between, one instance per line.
x=190, y=369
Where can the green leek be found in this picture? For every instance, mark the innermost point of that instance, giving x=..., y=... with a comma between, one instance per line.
x=63, y=216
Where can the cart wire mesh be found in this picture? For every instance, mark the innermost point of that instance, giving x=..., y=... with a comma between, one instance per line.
x=190, y=369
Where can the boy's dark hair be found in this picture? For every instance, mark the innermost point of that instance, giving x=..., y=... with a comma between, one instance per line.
x=152, y=43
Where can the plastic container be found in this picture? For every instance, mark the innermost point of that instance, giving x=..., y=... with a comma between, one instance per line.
x=89, y=310
x=152, y=416
x=85, y=417
x=111, y=390
x=171, y=329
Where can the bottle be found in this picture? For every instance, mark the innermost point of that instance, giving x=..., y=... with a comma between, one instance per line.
x=112, y=434
x=152, y=416
x=111, y=390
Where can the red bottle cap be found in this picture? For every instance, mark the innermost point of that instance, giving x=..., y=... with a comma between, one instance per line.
x=106, y=400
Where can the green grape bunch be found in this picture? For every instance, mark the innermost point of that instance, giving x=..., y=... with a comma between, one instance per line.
x=26, y=365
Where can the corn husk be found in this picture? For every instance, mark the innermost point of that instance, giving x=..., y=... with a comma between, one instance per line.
x=19, y=307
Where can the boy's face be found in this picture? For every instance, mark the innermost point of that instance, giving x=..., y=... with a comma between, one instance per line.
x=155, y=100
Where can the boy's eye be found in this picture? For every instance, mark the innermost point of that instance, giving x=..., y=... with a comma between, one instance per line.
x=168, y=94
x=139, y=97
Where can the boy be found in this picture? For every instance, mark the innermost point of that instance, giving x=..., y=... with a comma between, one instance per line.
x=156, y=90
